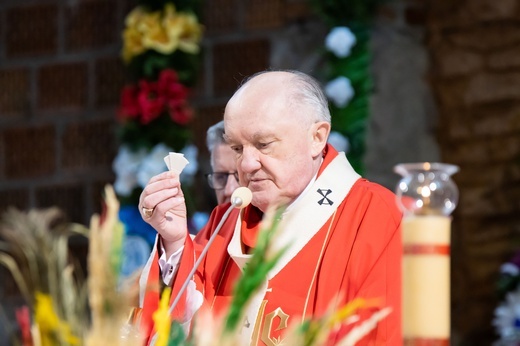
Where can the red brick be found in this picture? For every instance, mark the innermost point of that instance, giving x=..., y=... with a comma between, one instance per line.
x=486, y=38
x=128, y=5
x=485, y=123
x=206, y=116
x=91, y=24
x=449, y=14
x=14, y=98
x=469, y=152
x=62, y=86
x=450, y=93
x=493, y=87
x=415, y=15
x=506, y=59
x=198, y=89
x=110, y=78
x=29, y=152
x=504, y=148
x=487, y=174
x=488, y=10
x=459, y=126
x=297, y=9
x=2, y=23
x=89, y=145
x=234, y=61
x=14, y=198
x=263, y=14
x=219, y=16
x=31, y=30
x=69, y=198
x=454, y=62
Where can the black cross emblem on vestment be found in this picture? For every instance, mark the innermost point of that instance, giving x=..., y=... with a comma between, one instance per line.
x=325, y=200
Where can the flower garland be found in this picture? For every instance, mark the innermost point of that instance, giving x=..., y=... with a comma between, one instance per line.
x=348, y=83
x=161, y=46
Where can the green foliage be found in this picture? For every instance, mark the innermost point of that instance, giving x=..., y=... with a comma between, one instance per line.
x=351, y=120
x=161, y=130
x=180, y=5
x=177, y=336
x=338, y=12
x=255, y=273
x=150, y=64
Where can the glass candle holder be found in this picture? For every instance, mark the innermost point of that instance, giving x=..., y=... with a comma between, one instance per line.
x=426, y=188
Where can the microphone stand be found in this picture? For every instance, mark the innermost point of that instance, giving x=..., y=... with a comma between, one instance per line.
x=236, y=202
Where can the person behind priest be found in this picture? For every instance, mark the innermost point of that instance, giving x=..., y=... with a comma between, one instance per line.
x=342, y=230
x=224, y=177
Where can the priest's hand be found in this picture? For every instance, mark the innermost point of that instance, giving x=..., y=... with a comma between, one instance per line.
x=162, y=205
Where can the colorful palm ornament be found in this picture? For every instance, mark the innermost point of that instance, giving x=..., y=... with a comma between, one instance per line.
x=161, y=50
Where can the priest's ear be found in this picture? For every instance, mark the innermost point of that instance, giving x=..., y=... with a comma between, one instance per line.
x=319, y=134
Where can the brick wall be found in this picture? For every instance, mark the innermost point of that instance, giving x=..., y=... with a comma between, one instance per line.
x=475, y=74
x=60, y=76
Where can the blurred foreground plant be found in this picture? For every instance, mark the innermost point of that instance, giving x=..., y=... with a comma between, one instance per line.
x=63, y=306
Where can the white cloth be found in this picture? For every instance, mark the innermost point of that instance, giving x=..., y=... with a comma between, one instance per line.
x=169, y=266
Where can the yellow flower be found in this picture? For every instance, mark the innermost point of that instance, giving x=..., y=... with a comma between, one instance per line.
x=49, y=325
x=163, y=31
x=162, y=320
x=133, y=43
x=183, y=30
x=132, y=37
x=154, y=34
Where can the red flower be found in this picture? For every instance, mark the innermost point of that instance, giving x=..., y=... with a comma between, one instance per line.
x=176, y=94
x=180, y=112
x=150, y=101
x=129, y=105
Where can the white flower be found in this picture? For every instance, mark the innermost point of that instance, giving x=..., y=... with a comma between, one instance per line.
x=507, y=314
x=125, y=165
x=339, y=91
x=339, y=142
x=509, y=268
x=152, y=164
x=136, y=169
x=340, y=41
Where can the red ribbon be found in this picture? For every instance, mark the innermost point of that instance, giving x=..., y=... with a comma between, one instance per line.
x=426, y=249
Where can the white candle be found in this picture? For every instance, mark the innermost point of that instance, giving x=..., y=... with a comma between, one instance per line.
x=426, y=279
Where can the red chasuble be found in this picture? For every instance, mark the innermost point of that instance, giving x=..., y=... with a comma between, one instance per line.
x=354, y=253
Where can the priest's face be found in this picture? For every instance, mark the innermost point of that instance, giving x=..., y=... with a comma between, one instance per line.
x=274, y=140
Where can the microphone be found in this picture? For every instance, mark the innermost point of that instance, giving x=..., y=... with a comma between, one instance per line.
x=240, y=199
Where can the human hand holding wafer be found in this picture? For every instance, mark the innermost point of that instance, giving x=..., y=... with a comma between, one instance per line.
x=162, y=204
